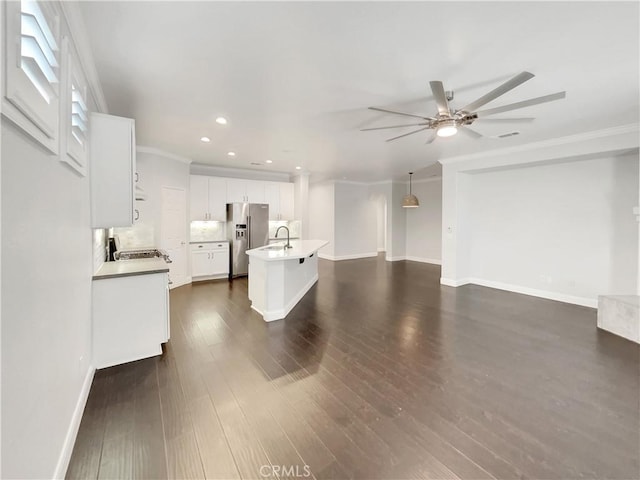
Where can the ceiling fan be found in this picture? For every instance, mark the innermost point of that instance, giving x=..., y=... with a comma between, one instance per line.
x=448, y=121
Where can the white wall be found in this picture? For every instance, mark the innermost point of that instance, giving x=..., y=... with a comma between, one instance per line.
x=565, y=229
x=322, y=216
x=47, y=266
x=155, y=171
x=397, y=223
x=424, y=224
x=355, y=221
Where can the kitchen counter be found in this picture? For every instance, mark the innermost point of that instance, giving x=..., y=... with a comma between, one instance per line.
x=126, y=268
x=279, y=278
x=208, y=241
x=301, y=249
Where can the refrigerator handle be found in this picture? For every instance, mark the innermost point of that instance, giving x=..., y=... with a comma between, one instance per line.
x=249, y=230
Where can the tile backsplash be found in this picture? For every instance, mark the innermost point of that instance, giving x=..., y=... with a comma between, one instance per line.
x=140, y=235
x=214, y=231
x=293, y=225
x=99, y=247
x=208, y=231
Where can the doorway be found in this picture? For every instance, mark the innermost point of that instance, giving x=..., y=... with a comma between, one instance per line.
x=173, y=233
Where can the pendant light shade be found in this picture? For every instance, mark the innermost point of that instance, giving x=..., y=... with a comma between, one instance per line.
x=410, y=201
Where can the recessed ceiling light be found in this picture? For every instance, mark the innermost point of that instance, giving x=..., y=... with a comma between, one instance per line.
x=298, y=168
x=268, y=161
x=231, y=154
x=221, y=120
x=205, y=139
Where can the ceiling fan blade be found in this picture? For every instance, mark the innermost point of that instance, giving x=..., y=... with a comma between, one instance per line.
x=393, y=126
x=501, y=90
x=441, y=97
x=525, y=103
x=469, y=132
x=399, y=113
x=508, y=120
x=431, y=139
x=404, y=135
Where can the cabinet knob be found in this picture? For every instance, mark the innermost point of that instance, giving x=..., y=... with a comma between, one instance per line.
x=199, y=246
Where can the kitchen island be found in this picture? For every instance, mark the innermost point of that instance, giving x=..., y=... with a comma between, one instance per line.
x=279, y=277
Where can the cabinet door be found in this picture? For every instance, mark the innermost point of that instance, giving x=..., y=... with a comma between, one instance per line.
x=217, y=199
x=236, y=190
x=199, y=195
x=201, y=263
x=272, y=197
x=286, y=201
x=255, y=191
x=112, y=166
x=220, y=262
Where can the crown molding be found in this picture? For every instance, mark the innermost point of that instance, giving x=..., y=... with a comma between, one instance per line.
x=78, y=33
x=162, y=153
x=554, y=142
x=217, y=171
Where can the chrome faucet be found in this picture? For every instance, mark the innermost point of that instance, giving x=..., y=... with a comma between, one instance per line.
x=288, y=245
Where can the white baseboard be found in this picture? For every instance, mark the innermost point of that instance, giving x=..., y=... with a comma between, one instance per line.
x=272, y=315
x=395, y=259
x=209, y=277
x=346, y=257
x=74, y=426
x=380, y=250
x=559, y=297
x=454, y=283
x=176, y=285
x=549, y=295
x=433, y=261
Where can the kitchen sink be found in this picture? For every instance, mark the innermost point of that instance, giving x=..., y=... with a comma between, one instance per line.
x=273, y=247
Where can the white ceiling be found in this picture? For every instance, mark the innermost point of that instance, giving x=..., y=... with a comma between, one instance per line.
x=295, y=79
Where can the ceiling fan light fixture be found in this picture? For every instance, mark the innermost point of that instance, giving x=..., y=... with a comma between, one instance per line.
x=410, y=200
x=447, y=129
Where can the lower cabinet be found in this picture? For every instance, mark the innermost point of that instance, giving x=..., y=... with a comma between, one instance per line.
x=130, y=318
x=209, y=260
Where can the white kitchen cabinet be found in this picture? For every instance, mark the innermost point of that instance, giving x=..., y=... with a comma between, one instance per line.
x=240, y=190
x=208, y=198
x=279, y=196
x=209, y=260
x=130, y=318
x=113, y=163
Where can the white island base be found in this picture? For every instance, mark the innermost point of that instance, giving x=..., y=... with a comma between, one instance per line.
x=279, y=278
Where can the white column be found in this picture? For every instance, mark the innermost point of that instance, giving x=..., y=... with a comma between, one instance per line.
x=301, y=202
x=456, y=228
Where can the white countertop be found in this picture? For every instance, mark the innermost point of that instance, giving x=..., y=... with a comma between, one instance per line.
x=208, y=241
x=124, y=268
x=301, y=249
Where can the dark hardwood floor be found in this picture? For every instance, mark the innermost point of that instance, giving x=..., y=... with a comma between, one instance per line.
x=379, y=372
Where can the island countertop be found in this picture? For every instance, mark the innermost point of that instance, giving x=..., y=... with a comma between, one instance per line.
x=276, y=251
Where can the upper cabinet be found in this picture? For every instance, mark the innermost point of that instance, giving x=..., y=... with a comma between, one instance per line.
x=113, y=163
x=32, y=57
x=208, y=198
x=279, y=196
x=210, y=195
x=239, y=190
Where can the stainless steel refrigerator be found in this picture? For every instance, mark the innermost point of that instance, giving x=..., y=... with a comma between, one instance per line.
x=247, y=228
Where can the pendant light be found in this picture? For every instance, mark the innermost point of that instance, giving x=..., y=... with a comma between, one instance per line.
x=410, y=201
